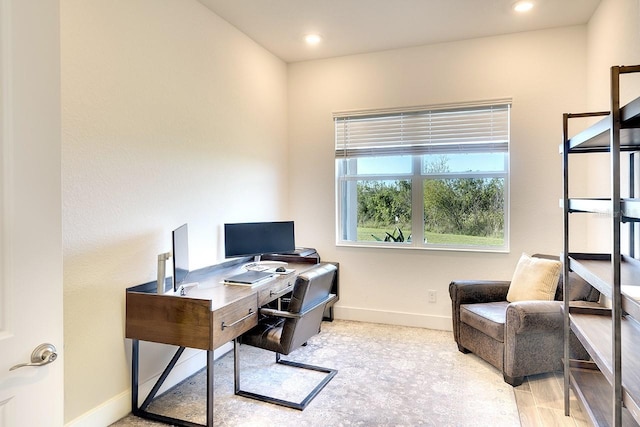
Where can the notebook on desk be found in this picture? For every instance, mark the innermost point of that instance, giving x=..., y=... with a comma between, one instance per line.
x=248, y=277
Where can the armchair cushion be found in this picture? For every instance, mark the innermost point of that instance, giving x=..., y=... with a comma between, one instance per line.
x=488, y=317
x=534, y=279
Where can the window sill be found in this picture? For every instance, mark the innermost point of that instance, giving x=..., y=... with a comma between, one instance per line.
x=408, y=246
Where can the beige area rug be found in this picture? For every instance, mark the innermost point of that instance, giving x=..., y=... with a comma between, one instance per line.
x=387, y=376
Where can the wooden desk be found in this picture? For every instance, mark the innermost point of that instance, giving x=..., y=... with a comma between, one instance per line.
x=206, y=317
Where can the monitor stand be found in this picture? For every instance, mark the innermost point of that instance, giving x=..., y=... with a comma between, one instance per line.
x=162, y=263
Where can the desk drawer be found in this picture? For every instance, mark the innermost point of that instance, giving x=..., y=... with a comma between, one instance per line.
x=275, y=289
x=233, y=320
x=167, y=319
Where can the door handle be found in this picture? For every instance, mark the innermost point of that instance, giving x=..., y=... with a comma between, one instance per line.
x=42, y=355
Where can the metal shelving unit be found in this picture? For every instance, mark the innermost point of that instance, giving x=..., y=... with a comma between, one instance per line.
x=608, y=387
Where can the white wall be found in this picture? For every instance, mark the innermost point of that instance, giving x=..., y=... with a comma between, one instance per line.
x=170, y=115
x=545, y=74
x=613, y=39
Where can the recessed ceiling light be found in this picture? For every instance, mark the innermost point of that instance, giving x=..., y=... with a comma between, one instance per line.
x=313, y=39
x=523, y=6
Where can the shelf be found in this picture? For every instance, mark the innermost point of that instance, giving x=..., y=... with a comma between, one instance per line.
x=630, y=208
x=594, y=332
x=596, y=137
x=611, y=336
x=596, y=269
x=593, y=391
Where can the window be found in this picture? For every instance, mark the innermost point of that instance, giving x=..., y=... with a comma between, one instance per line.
x=432, y=177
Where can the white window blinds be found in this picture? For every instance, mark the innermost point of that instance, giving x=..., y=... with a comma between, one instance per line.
x=424, y=130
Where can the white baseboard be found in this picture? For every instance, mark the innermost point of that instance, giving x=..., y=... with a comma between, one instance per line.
x=120, y=406
x=442, y=323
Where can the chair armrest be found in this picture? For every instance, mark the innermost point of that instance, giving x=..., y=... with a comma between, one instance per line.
x=287, y=314
x=476, y=291
x=534, y=316
x=279, y=313
x=533, y=338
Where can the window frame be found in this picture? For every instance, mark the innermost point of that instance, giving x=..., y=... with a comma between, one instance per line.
x=346, y=219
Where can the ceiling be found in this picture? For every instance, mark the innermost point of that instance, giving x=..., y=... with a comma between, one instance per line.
x=358, y=26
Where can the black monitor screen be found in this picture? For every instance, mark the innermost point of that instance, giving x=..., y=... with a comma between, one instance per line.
x=180, y=255
x=258, y=238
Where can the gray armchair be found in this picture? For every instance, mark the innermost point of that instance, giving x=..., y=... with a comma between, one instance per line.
x=520, y=338
x=283, y=331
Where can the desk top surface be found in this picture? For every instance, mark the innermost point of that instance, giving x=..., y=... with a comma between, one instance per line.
x=211, y=286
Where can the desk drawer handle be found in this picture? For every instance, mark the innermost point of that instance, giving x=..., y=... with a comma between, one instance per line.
x=272, y=293
x=251, y=313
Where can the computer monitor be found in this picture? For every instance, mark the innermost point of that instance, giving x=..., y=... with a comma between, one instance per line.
x=258, y=238
x=180, y=237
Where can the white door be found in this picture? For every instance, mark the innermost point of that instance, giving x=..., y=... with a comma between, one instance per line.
x=30, y=212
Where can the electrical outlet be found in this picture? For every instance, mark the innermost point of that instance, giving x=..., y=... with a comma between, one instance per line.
x=431, y=295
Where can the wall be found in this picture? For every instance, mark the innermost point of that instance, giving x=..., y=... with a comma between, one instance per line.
x=613, y=39
x=545, y=74
x=170, y=115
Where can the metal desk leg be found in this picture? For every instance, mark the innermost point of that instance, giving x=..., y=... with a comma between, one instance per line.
x=141, y=411
x=210, y=361
x=135, y=354
x=236, y=366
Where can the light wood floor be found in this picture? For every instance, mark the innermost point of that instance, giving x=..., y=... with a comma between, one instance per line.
x=540, y=401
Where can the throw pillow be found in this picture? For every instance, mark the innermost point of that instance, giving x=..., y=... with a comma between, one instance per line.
x=534, y=279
